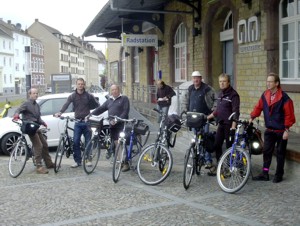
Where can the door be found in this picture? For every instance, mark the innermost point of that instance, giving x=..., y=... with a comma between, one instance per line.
x=228, y=60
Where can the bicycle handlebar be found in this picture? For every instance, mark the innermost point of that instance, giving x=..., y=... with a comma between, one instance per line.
x=117, y=118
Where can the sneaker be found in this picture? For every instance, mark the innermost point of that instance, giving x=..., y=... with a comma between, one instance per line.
x=125, y=167
x=212, y=171
x=88, y=164
x=277, y=179
x=208, y=165
x=262, y=177
x=41, y=170
x=75, y=165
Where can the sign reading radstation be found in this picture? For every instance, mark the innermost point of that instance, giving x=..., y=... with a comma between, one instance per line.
x=139, y=40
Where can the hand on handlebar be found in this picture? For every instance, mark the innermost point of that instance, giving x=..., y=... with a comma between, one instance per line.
x=16, y=117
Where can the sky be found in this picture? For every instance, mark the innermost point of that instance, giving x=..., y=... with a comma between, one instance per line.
x=67, y=16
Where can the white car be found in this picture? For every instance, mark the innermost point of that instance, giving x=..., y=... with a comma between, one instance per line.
x=49, y=104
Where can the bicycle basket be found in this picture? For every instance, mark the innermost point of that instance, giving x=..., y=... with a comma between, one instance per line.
x=195, y=119
x=29, y=127
x=96, y=122
x=173, y=123
x=141, y=128
x=209, y=141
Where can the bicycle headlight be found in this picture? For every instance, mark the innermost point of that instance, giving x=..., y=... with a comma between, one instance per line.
x=122, y=135
x=255, y=145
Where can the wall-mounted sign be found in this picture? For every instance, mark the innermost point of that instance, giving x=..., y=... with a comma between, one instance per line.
x=139, y=40
x=248, y=30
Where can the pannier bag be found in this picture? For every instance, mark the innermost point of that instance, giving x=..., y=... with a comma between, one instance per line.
x=173, y=123
x=29, y=127
x=209, y=141
x=195, y=119
x=141, y=128
x=256, y=143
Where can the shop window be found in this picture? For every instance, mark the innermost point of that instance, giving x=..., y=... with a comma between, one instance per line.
x=290, y=42
x=180, y=50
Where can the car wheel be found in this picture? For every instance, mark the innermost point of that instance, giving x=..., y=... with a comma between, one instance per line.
x=8, y=142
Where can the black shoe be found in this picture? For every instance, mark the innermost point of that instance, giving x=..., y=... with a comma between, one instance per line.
x=262, y=177
x=212, y=171
x=277, y=179
x=108, y=154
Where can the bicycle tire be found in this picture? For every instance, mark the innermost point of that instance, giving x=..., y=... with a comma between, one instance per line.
x=233, y=179
x=189, y=167
x=18, y=159
x=154, y=164
x=199, y=160
x=92, y=155
x=119, y=159
x=59, y=154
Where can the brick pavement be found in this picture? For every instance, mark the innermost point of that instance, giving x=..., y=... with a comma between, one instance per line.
x=73, y=198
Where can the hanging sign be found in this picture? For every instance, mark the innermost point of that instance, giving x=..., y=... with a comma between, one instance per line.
x=139, y=40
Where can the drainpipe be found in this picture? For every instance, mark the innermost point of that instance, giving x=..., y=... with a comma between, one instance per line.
x=147, y=11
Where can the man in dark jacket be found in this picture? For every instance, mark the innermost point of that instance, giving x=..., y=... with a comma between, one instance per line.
x=228, y=102
x=30, y=111
x=279, y=116
x=201, y=98
x=116, y=105
x=164, y=97
x=80, y=99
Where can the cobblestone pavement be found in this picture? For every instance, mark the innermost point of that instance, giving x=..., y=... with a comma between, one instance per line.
x=71, y=197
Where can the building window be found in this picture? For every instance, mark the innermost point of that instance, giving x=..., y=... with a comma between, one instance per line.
x=180, y=53
x=290, y=41
x=136, y=65
x=123, y=62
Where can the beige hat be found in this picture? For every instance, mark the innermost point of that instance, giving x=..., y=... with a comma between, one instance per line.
x=196, y=73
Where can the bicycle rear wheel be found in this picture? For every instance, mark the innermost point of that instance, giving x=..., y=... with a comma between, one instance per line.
x=233, y=170
x=119, y=159
x=189, y=167
x=105, y=139
x=91, y=155
x=154, y=164
x=59, y=154
x=17, y=160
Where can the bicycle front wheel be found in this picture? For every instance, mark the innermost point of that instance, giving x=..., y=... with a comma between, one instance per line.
x=17, y=160
x=154, y=164
x=91, y=155
x=233, y=170
x=189, y=167
x=59, y=154
x=119, y=160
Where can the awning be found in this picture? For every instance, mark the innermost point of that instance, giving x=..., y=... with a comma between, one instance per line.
x=134, y=15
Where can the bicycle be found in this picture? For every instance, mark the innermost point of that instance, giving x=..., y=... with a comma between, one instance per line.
x=133, y=140
x=22, y=151
x=156, y=161
x=100, y=140
x=65, y=144
x=234, y=167
x=202, y=141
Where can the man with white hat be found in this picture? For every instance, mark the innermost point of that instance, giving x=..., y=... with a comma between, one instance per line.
x=201, y=98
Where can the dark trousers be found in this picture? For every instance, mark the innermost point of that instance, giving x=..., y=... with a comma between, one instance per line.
x=274, y=140
x=222, y=134
x=40, y=148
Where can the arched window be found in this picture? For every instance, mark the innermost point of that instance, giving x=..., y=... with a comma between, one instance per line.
x=290, y=41
x=180, y=55
x=136, y=65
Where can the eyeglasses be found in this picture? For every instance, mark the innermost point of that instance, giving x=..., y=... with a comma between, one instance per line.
x=270, y=81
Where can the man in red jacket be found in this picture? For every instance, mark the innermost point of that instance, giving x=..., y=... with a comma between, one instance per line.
x=279, y=116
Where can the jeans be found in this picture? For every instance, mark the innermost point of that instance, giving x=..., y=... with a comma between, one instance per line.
x=80, y=128
x=164, y=109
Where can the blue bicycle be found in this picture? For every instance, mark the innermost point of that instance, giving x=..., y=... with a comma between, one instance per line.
x=129, y=144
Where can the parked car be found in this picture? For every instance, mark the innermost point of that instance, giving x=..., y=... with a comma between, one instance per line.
x=49, y=104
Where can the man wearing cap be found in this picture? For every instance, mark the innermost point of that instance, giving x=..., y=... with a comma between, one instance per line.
x=201, y=98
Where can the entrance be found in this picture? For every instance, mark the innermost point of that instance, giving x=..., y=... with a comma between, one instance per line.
x=228, y=60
